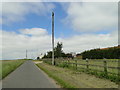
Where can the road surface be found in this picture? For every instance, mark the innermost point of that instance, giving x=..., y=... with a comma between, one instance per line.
x=28, y=75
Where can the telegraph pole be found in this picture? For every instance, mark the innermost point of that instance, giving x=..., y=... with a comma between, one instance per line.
x=26, y=54
x=53, y=61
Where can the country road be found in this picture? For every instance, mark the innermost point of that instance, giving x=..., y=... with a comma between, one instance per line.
x=28, y=75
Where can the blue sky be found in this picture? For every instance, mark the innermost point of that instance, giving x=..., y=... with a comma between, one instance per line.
x=80, y=26
x=33, y=20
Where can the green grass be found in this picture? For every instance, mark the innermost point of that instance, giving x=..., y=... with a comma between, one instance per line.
x=59, y=80
x=8, y=66
x=98, y=62
x=92, y=69
x=0, y=69
x=93, y=62
x=72, y=79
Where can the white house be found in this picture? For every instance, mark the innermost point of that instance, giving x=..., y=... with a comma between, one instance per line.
x=41, y=56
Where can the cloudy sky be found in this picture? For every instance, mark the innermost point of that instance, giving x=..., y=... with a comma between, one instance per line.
x=79, y=26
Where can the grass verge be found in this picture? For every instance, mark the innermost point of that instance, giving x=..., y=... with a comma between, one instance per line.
x=61, y=82
x=68, y=78
x=9, y=66
x=114, y=77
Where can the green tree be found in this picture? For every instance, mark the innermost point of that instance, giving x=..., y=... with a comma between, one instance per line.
x=38, y=58
x=49, y=54
x=58, y=50
x=110, y=53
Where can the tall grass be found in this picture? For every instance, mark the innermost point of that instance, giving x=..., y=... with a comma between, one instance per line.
x=8, y=66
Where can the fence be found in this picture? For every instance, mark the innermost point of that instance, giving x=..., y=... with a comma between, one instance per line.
x=104, y=68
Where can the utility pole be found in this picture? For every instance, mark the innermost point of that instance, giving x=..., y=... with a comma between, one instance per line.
x=26, y=54
x=53, y=61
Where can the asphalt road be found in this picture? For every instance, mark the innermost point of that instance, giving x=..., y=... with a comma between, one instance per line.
x=28, y=75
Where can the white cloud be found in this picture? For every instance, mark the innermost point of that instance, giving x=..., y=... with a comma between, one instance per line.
x=60, y=1
x=14, y=45
x=34, y=31
x=79, y=43
x=17, y=11
x=92, y=16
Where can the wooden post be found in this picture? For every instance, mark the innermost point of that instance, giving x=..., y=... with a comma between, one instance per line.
x=119, y=74
x=76, y=63
x=73, y=64
x=87, y=64
x=105, y=67
x=53, y=61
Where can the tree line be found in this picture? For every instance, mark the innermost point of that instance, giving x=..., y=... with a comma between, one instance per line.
x=109, y=53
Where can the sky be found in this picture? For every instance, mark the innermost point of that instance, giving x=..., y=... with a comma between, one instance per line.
x=79, y=26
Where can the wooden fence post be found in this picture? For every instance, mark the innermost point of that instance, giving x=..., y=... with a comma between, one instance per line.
x=118, y=74
x=87, y=64
x=73, y=64
x=76, y=63
x=105, y=67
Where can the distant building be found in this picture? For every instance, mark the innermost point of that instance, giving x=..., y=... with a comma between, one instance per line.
x=41, y=56
x=73, y=54
x=79, y=56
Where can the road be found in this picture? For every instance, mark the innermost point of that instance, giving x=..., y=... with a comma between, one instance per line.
x=28, y=75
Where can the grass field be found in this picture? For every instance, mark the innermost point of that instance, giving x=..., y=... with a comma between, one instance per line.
x=8, y=66
x=69, y=78
x=112, y=73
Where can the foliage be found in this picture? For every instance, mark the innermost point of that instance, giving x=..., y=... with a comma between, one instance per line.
x=48, y=55
x=38, y=58
x=58, y=52
x=110, y=53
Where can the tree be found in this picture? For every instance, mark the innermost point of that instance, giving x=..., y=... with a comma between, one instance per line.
x=58, y=50
x=49, y=54
x=38, y=58
x=109, y=53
